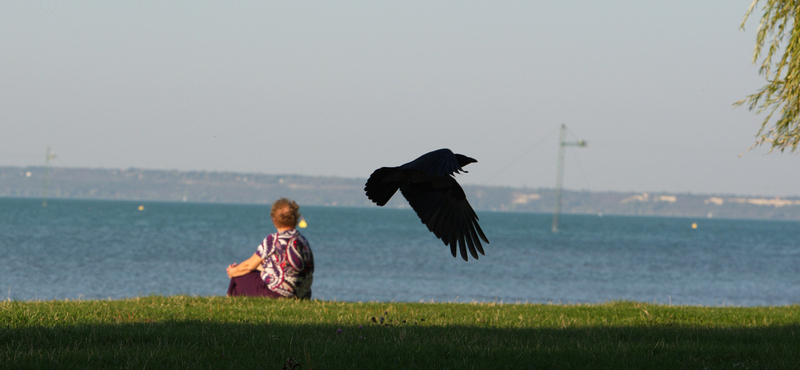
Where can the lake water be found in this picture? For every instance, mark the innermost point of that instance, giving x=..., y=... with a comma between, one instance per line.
x=88, y=249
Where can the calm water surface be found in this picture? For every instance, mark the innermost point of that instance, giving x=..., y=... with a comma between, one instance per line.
x=109, y=249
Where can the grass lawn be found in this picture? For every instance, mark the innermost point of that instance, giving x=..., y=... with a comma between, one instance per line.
x=250, y=333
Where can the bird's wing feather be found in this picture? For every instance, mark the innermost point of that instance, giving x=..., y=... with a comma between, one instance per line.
x=443, y=207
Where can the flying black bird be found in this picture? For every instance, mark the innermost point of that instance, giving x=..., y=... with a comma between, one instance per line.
x=429, y=185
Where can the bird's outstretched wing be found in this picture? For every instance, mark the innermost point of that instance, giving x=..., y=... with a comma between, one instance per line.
x=428, y=184
x=444, y=209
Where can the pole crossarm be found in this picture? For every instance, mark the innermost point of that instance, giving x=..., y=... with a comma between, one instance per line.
x=580, y=143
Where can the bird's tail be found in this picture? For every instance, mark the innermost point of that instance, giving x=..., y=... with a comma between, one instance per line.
x=382, y=184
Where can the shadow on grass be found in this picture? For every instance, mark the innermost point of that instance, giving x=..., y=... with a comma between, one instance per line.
x=198, y=344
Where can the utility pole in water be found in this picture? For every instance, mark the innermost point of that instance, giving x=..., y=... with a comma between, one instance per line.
x=47, y=157
x=560, y=176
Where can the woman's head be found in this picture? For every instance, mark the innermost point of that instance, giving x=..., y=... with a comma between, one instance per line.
x=285, y=213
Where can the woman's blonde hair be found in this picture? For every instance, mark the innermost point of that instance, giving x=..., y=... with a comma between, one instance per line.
x=285, y=213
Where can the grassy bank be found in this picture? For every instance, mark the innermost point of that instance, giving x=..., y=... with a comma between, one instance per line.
x=217, y=333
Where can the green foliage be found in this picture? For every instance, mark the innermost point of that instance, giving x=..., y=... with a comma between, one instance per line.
x=216, y=332
x=779, y=27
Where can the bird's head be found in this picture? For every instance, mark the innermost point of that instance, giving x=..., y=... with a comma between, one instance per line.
x=464, y=160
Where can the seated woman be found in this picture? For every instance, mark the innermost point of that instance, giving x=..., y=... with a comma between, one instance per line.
x=283, y=265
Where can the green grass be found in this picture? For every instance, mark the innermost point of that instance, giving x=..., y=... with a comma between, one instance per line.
x=251, y=333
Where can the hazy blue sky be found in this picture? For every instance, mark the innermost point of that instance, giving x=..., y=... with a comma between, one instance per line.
x=341, y=88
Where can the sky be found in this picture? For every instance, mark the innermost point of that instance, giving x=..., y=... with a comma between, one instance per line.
x=340, y=88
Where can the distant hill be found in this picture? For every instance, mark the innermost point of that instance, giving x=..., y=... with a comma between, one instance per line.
x=230, y=187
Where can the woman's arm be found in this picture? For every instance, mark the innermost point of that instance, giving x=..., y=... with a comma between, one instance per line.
x=245, y=267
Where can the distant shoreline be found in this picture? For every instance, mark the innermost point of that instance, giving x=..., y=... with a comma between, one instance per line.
x=252, y=188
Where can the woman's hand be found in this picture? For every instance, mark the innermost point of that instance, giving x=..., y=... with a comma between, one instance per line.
x=245, y=267
x=230, y=267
